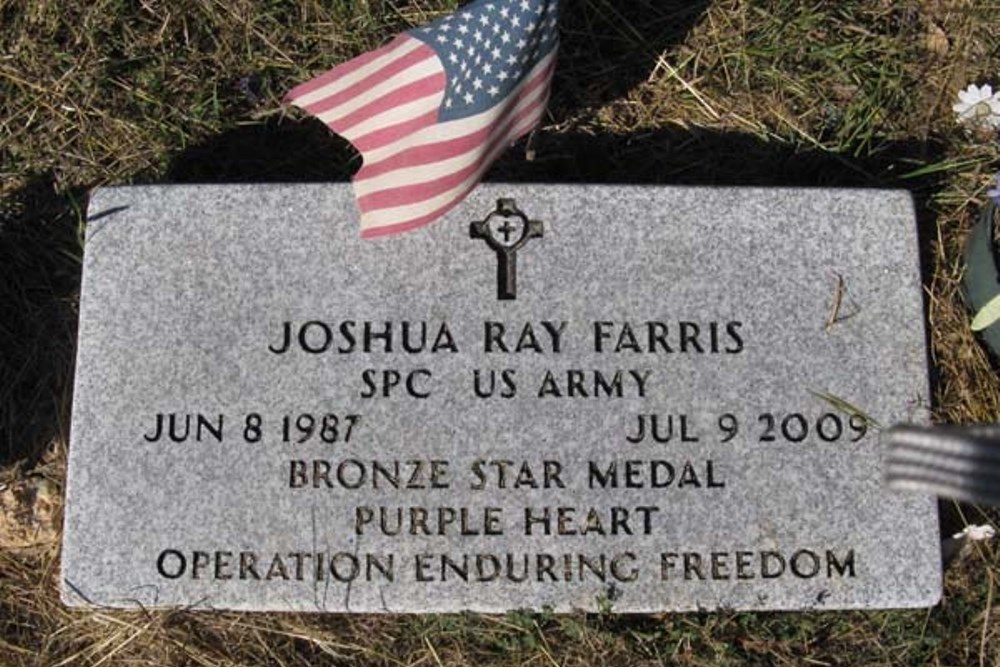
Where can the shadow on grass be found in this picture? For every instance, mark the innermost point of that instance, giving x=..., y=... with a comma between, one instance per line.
x=39, y=282
x=607, y=48
x=280, y=150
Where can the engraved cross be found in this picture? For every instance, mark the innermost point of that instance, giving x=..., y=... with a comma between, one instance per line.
x=516, y=229
x=506, y=229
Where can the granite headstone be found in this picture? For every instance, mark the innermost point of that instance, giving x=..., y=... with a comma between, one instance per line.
x=640, y=399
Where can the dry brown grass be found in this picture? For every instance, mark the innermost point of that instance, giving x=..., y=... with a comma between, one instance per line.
x=853, y=93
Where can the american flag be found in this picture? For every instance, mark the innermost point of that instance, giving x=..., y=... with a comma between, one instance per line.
x=433, y=109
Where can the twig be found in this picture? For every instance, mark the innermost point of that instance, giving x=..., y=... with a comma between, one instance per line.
x=662, y=62
x=838, y=300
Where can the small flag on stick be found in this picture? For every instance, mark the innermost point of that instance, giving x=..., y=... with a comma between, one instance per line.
x=433, y=109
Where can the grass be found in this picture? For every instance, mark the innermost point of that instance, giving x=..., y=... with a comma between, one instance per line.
x=783, y=92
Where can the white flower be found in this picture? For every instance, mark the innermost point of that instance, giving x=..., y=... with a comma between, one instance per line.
x=978, y=106
x=977, y=533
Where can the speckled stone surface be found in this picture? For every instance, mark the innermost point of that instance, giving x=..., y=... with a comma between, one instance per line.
x=745, y=307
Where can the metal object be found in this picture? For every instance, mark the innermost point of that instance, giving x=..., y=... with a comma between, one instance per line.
x=959, y=462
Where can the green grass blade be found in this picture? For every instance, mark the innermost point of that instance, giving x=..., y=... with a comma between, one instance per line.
x=847, y=408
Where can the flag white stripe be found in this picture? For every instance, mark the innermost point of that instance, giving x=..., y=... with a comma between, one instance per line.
x=432, y=171
x=394, y=116
x=406, y=46
x=454, y=129
x=401, y=214
x=416, y=72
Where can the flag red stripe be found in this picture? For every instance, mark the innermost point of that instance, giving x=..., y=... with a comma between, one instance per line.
x=429, y=154
x=375, y=78
x=403, y=95
x=413, y=223
x=444, y=136
x=344, y=69
x=411, y=194
x=387, y=135
x=386, y=230
x=449, y=148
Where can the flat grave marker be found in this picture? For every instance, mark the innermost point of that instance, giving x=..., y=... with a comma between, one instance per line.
x=578, y=398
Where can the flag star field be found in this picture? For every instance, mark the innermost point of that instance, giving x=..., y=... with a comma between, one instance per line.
x=485, y=50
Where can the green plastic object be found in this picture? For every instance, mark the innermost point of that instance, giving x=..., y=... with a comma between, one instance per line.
x=982, y=273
